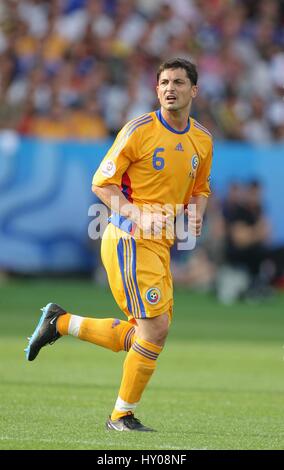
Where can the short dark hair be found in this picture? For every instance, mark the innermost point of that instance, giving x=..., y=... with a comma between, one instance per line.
x=178, y=63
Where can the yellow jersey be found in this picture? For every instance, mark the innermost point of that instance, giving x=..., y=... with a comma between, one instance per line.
x=156, y=164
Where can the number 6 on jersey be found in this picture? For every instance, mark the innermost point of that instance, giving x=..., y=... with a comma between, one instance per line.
x=158, y=162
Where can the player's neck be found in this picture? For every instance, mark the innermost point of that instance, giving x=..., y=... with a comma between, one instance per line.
x=178, y=120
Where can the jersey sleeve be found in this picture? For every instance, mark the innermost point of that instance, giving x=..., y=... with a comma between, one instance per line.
x=202, y=182
x=121, y=154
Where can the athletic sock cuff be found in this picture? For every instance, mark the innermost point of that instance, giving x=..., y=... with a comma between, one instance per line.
x=147, y=349
x=62, y=324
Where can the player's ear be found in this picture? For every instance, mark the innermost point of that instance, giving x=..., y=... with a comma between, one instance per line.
x=194, y=91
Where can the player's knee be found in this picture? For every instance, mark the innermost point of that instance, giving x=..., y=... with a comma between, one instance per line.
x=161, y=335
x=160, y=329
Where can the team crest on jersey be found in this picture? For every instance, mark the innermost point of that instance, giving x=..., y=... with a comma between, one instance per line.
x=194, y=162
x=153, y=295
x=108, y=168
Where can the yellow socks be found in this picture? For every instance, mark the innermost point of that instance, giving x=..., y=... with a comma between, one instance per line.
x=109, y=333
x=117, y=335
x=138, y=368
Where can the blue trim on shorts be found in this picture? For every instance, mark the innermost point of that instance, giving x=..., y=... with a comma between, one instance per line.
x=141, y=305
x=120, y=253
x=130, y=279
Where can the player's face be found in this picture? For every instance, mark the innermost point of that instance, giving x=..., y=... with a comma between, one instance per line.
x=175, y=90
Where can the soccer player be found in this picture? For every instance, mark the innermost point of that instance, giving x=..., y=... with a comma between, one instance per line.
x=161, y=159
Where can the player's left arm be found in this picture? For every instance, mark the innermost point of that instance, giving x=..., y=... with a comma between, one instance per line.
x=200, y=194
x=196, y=217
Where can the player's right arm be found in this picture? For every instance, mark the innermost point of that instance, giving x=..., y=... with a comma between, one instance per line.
x=107, y=181
x=112, y=196
x=148, y=222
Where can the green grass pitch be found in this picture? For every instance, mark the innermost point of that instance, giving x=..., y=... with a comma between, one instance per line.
x=219, y=382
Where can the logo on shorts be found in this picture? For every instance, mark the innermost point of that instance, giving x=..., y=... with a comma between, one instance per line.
x=108, y=168
x=153, y=295
x=194, y=162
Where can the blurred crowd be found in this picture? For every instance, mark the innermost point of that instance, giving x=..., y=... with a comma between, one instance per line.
x=82, y=68
x=234, y=257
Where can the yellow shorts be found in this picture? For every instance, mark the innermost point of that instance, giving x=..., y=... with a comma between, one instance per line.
x=139, y=274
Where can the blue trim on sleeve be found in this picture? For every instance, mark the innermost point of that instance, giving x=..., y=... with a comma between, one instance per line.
x=138, y=121
x=139, y=125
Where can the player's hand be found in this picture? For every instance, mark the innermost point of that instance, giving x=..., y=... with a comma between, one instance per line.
x=152, y=223
x=195, y=222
